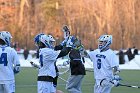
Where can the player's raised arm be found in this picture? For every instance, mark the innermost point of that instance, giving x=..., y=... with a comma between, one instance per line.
x=66, y=45
x=66, y=33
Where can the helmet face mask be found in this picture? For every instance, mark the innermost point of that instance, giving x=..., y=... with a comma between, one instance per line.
x=6, y=37
x=51, y=41
x=101, y=43
x=104, y=42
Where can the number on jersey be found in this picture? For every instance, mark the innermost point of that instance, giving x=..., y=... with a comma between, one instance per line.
x=99, y=63
x=3, y=59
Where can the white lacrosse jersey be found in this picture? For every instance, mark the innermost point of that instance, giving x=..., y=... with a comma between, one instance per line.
x=8, y=59
x=103, y=63
x=47, y=58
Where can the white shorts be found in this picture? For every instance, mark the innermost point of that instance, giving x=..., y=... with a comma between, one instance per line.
x=104, y=87
x=7, y=88
x=45, y=87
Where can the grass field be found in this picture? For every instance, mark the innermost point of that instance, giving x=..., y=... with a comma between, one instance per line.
x=26, y=81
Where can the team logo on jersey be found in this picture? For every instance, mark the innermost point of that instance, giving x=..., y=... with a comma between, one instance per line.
x=100, y=56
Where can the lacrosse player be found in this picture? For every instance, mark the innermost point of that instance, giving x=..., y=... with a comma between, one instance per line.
x=9, y=64
x=47, y=69
x=106, y=65
x=76, y=63
x=52, y=40
x=77, y=69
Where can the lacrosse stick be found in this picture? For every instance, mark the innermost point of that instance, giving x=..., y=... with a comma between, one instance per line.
x=88, y=70
x=61, y=72
x=132, y=86
x=66, y=31
x=34, y=65
x=62, y=79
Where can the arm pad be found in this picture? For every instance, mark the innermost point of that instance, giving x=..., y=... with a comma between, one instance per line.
x=64, y=52
x=59, y=47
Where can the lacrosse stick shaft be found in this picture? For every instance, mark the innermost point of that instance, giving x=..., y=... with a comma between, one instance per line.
x=34, y=65
x=129, y=86
x=89, y=70
x=62, y=79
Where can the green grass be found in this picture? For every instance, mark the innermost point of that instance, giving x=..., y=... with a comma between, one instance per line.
x=26, y=81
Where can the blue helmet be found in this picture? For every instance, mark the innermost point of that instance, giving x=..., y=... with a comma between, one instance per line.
x=6, y=37
x=37, y=38
x=104, y=41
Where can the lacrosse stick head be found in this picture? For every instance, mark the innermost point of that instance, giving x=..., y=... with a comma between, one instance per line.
x=66, y=31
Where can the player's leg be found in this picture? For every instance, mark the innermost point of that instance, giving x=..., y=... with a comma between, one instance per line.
x=104, y=87
x=80, y=78
x=55, y=85
x=9, y=88
x=73, y=82
x=45, y=87
x=96, y=88
x=1, y=88
x=70, y=84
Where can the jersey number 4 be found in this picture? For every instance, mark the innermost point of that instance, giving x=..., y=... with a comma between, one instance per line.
x=99, y=63
x=3, y=59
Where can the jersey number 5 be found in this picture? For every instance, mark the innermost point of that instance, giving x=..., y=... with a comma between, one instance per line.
x=99, y=63
x=3, y=59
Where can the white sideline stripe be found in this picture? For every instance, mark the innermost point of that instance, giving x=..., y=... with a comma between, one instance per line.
x=58, y=85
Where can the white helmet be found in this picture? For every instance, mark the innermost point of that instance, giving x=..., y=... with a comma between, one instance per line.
x=42, y=38
x=51, y=38
x=6, y=37
x=104, y=41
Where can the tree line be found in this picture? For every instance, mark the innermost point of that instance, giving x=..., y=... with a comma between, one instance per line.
x=87, y=19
